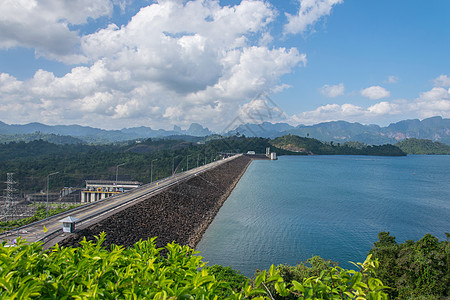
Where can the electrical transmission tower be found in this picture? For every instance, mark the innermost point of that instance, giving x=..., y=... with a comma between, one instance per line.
x=8, y=205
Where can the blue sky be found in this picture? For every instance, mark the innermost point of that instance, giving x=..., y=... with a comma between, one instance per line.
x=121, y=63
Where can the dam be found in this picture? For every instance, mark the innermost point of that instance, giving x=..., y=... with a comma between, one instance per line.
x=178, y=208
x=180, y=213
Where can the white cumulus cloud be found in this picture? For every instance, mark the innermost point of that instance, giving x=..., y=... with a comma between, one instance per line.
x=375, y=92
x=442, y=81
x=310, y=11
x=44, y=25
x=352, y=113
x=332, y=91
x=435, y=102
x=384, y=108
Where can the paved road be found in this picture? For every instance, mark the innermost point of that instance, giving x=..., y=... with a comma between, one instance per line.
x=94, y=212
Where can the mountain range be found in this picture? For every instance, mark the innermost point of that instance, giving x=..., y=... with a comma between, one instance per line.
x=434, y=128
x=94, y=135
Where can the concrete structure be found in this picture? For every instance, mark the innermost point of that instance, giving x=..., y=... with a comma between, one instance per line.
x=273, y=156
x=69, y=224
x=67, y=194
x=101, y=189
x=42, y=197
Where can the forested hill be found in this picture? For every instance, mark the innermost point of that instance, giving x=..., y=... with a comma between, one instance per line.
x=306, y=146
x=36, y=149
x=32, y=162
x=420, y=146
x=36, y=136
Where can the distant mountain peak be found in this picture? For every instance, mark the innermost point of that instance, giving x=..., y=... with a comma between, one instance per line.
x=196, y=129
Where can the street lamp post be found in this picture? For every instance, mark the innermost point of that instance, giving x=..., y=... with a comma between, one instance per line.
x=173, y=165
x=151, y=170
x=198, y=157
x=117, y=172
x=187, y=162
x=48, y=178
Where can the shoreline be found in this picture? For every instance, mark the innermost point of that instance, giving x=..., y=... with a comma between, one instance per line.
x=198, y=234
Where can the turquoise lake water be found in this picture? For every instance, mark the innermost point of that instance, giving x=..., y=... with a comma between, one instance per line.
x=288, y=210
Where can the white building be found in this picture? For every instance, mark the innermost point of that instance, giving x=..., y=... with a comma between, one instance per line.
x=101, y=189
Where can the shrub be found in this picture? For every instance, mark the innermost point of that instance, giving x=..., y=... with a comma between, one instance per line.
x=142, y=272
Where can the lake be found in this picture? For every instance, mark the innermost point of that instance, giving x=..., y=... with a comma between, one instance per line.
x=288, y=210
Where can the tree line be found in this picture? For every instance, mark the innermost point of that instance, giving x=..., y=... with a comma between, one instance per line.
x=146, y=160
x=139, y=161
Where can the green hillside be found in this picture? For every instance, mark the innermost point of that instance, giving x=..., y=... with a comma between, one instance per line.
x=32, y=162
x=303, y=145
x=420, y=146
x=48, y=137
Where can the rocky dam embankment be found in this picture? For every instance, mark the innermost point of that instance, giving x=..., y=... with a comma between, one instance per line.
x=181, y=213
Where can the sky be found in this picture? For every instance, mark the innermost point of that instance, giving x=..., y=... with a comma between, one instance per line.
x=116, y=64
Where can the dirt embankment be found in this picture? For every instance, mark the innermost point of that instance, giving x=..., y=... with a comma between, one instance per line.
x=181, y=213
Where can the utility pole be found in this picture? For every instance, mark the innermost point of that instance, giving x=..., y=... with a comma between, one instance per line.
x=187, y=162
x=198, y=157
x=48, y=179
x=117, y=172
x=173, y=165
x=151, y=170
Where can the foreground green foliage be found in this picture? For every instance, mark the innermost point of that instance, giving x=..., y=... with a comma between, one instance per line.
x=235, y=279
x=414, y=269
x=143, y=272
x=302, y=271
x=322, y=279
x=421, y=146
x=39, y=214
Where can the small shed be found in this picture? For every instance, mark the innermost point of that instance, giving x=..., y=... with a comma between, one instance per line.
x=69, y=224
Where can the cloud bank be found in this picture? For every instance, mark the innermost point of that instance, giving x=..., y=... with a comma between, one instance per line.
x=174, y=62
x=434, y=102
x=45, y=25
